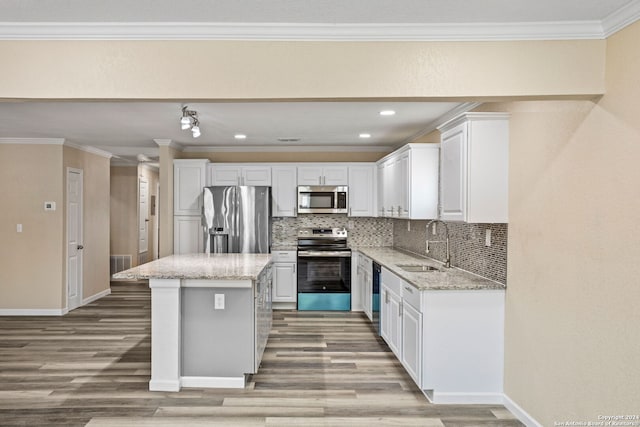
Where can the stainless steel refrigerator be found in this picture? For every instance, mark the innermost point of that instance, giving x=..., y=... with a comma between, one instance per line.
x=237, y=219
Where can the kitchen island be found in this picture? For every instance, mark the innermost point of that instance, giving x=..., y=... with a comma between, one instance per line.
x=210, y=318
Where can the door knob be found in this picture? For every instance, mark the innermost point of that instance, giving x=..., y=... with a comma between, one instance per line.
x=79, y=247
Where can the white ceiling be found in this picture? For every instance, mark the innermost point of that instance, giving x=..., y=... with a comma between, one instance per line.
x=308, y=11
x=129, y=128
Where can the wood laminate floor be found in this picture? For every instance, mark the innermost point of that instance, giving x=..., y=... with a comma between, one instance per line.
x=92, y=366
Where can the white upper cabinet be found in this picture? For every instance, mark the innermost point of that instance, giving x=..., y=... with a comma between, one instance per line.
x=408, y=182
x=189, y=178
x=474, y=174
x=325, y=174
x=234, y=174
x=362, y=190
x=283, y=191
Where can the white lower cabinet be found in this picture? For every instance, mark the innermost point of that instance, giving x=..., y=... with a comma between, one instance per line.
x=188, y=237
x=451, y=343
x=284, y=276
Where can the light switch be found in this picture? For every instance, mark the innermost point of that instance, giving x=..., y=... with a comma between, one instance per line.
x=19, y=228
x=219, y=302
x=487, y=237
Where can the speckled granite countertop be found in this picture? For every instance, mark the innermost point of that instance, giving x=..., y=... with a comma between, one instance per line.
x=284, y=248
x=200, y=266
x=443, y=279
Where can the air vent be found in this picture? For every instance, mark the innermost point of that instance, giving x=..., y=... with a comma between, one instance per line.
x=119, y=263
x=288, y=139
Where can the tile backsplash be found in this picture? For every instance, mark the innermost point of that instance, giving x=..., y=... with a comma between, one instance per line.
x=466, y=245
x=362, y=231
x=467, y=241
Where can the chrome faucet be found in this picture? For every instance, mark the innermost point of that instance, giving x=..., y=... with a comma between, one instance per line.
x=447, y=262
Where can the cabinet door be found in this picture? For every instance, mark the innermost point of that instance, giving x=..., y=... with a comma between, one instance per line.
x=335, y=175
x=403, y=185
x=361, y=190
x=188, y=235
x=367, y=285
x=256, y=176
x=381, y=192
x=188, y=182
x=391, y=321
x=412, y=341
x=283, y=191
x=284, y=281
x=225, y=175
x=310, y=175
x=390, y=192
x=453, y=174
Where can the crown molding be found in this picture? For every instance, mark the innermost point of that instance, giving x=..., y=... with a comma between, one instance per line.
x=89, y=149
x=562, y=30
x=449, y=115
x=33, y=141
x=287, y=148
x=626, y=15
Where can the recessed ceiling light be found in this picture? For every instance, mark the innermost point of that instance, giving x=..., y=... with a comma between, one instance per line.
x=240, y=136
x=387, y=113
x=365, y=135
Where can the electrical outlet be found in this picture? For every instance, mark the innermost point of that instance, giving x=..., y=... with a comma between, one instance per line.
x=49, y=206
x=487, y=237
x=19, y=228
x=219, y=302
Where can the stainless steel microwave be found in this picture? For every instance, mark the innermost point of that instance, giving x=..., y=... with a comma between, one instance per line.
x=322, y=199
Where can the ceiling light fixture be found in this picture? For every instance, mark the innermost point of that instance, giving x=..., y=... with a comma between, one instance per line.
x=387, y=113
x=189, y=119
x=365, y=135
x=240, y=136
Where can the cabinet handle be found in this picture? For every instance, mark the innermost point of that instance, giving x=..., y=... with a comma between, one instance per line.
x=350, y=211
x=386, y=297
x=294, y=268
x=407, y=288
x=320, y=179
x=400, y=306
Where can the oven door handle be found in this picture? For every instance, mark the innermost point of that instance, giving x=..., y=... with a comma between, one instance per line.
x=324, y=254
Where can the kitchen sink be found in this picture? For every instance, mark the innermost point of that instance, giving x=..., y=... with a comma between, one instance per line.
x=414, y=268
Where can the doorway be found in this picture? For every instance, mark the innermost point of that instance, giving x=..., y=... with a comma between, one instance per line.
x=74, y=237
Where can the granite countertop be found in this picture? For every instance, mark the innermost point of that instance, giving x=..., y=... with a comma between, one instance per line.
x=200, y=266
x=443, y=279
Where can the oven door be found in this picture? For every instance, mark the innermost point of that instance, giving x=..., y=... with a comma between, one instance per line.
x=324, y=280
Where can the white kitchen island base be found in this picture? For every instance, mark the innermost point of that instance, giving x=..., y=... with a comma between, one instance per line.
x=207, y=333
x=211, y=316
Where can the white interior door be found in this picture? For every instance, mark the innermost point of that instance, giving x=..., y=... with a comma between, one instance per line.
x=74, y=238
x=156, y=229
x=143, y=216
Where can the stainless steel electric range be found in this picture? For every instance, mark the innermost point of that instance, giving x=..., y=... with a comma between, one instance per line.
x=324, y=269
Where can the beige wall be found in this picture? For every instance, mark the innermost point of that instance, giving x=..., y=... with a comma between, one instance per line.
x=31, y=265
x=572, y=335
x=167, y=155
x=301, y=156
x=95, y=256
x=124, y=211
x=299, y=70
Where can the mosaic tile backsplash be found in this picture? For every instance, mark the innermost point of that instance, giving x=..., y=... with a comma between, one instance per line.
x=362, y=231
x=466, y=245
x=467, y=248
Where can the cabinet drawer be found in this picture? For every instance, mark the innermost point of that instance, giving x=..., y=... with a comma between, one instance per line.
x=284, y=256
x=411, y=295
x=391, y=281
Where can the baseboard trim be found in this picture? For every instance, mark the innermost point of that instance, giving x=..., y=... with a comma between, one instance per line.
x=520, y=413
x=213, y=382
x=164, y=385
x=33, y=311
x=97, y=296
x=467, y=398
